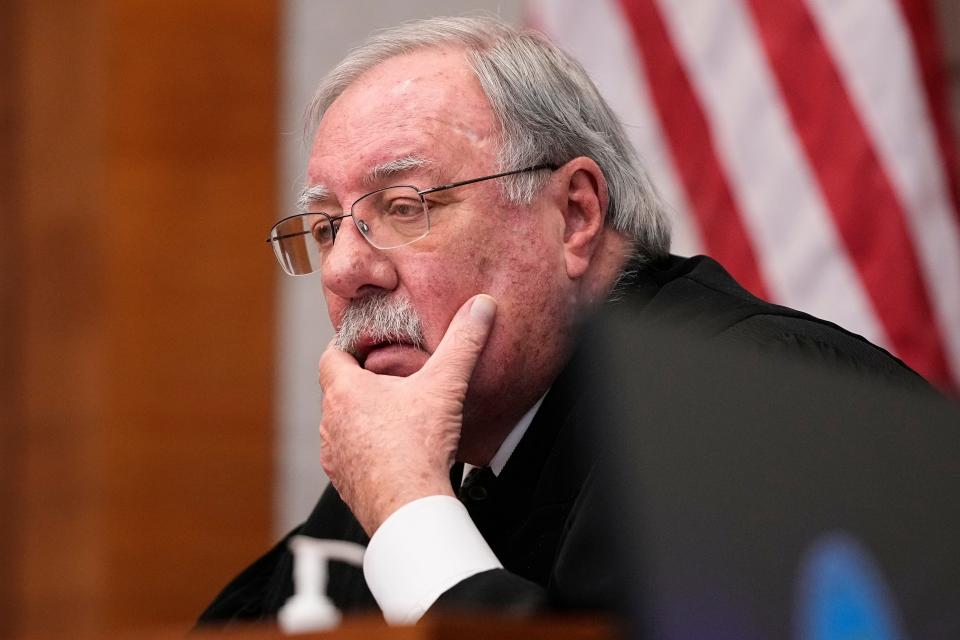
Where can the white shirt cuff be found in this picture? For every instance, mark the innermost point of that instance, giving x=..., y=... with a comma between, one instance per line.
x=423, y=548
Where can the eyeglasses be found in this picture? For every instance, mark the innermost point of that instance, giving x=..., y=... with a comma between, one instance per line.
x=388, y=218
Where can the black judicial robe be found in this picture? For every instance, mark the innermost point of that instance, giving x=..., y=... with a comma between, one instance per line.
x=543, y=517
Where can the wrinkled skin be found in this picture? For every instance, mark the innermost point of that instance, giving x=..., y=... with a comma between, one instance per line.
x=429, y=403
x=394, y=423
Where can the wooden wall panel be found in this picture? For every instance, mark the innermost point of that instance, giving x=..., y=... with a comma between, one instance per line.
x=199, y=290
x=61, y=562
x=141, y=318
x=10, y=294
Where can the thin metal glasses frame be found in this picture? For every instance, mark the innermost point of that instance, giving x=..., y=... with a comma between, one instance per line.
x=421, y=193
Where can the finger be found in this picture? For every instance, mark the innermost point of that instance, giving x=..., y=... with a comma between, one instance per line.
x=456, y=355
x=335, y=363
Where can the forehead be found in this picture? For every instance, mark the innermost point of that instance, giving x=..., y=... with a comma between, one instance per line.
x=426, y=104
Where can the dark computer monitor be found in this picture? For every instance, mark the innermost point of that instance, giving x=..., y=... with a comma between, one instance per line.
x=763, y=498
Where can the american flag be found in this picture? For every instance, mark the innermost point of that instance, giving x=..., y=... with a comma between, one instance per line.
x=805, y=144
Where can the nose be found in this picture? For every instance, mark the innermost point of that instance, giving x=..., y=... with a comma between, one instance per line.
x=354, y=268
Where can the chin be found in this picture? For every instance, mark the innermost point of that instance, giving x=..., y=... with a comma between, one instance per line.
x=395, y=360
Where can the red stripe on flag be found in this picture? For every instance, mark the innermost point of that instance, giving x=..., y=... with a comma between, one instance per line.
x=688, y=135
x=930, y=57
x=863, y=203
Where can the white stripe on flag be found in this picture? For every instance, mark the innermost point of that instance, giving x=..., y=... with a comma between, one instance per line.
x=873, y=50
x=799, y=250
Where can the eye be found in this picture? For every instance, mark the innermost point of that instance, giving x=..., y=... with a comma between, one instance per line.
x=403, y=207
x=321, y=230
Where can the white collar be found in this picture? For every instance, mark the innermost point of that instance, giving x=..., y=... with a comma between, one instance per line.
x=509, y=444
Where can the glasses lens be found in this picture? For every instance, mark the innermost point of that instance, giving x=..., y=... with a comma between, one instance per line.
x=300, y=241
x=392, y=217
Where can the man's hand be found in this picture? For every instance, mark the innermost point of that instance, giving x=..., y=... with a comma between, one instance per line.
x=385, y=440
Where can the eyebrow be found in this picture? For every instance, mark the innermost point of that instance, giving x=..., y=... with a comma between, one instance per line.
x=310, y=195
x=394, y=168
x=319, y=192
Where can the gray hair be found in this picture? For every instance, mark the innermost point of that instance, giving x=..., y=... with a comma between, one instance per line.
x=548, y=108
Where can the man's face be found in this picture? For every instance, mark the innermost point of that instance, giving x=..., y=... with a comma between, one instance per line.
x=428, y=106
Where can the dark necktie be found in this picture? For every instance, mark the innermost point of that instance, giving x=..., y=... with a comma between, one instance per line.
x=477, y=495
x=476, y=486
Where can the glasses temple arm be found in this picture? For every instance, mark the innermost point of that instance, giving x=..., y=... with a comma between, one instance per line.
x=444, y=187
x=288, y=235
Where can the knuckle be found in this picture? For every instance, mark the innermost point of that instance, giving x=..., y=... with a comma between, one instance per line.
x=331, y=396
x=451, y=387
x=328, y=463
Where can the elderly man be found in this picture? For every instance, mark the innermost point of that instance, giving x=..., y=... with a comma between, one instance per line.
x=469, y=196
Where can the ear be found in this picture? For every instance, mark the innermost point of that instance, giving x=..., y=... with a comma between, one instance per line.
x=585, y=209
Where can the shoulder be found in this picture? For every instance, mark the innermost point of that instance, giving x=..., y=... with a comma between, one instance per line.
x=698, y=294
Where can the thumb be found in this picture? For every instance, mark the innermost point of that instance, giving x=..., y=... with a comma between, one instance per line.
x=458, y=351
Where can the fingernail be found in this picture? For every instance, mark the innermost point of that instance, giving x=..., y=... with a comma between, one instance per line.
x=483, y=308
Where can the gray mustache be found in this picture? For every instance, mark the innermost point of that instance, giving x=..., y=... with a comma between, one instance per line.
x=381, y=319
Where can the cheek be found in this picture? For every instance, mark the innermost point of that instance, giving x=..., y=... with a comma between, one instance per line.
x=518, y=271
x=437, y=289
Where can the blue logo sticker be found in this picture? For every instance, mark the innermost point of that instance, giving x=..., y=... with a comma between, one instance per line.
x=842, y=594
